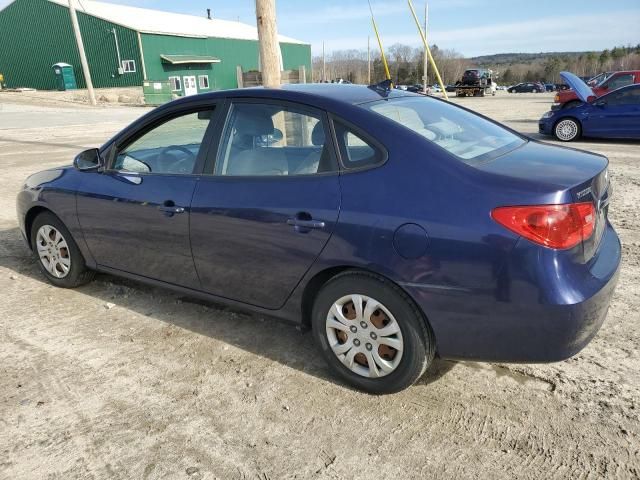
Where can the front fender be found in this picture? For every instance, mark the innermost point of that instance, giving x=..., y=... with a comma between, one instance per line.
x=53, y=190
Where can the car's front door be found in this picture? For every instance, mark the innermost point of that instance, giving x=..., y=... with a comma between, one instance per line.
x=616, y=115
x=264, y=215
x=135, y=215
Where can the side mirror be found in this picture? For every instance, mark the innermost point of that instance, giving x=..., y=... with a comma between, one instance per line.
x=89, y=161
x=591, y=98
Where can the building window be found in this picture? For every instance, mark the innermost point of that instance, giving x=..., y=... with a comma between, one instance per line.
x=176, y=84
x=203, y=80
x=129, y=66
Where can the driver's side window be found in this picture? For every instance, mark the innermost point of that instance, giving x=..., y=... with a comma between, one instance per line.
x=170, y=148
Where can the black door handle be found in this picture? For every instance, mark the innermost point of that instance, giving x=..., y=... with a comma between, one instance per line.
x=304, y=222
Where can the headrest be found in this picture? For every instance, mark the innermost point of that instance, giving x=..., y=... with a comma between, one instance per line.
x=317, y=135
x=254, y=123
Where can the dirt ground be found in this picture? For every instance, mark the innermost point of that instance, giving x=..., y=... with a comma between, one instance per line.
x=119, y=380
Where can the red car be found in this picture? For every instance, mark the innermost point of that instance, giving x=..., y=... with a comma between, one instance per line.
x=569, y=99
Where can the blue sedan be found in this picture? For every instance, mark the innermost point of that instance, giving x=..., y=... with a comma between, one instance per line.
x=614, y=115
x=395, y=227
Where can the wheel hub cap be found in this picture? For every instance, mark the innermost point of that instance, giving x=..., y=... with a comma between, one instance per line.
x=364, y=335
x=53, y=251
x=566, y=130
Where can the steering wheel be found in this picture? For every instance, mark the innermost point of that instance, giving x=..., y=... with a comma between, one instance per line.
x=179, y=166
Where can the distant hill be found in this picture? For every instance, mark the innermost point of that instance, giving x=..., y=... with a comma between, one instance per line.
x=511, y=58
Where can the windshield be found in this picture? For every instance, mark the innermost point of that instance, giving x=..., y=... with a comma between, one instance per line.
x=600, y=79
x=469, y=137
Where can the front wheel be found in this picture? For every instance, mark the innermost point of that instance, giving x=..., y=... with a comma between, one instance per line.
x=57, y=254
x=371, y=334
x=567, y=130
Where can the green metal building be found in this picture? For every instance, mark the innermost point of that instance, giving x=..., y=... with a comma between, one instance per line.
x=128, y=46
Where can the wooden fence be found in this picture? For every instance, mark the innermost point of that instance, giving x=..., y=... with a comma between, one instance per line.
x=254, y=78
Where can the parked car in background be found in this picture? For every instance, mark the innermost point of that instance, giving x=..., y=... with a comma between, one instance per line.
x=450, y=88
x=417, y=88
x=613, y=115
x=527, y=87
x=569, y=98
x=549, y=87
x=266, y=199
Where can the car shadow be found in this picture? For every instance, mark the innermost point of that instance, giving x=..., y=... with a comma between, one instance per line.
x=266, y=337
x=583, y=141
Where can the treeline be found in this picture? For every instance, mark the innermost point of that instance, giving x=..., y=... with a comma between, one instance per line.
x=547, y=67
x=406, y=65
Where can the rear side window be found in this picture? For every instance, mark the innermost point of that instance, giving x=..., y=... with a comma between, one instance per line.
x=466, y=135
x=355, y=150
x=274, y=140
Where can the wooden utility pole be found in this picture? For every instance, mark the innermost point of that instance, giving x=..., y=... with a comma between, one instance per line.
x=269, y=46
x=324, y=66
x=426, y=55
x=369, y=60
x=83, y=55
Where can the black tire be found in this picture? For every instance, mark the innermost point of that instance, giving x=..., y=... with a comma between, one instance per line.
x=567, y=129
x=78, y=273
x=418, y=340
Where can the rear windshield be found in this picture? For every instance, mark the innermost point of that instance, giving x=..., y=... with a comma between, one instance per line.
x=467, y=136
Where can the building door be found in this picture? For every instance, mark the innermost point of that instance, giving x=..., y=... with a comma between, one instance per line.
x=190, y=87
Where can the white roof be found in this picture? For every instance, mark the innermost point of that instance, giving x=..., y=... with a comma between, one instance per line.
x=167, y=23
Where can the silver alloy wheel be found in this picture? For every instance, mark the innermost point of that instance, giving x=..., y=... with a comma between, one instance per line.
x=566, y=130
x=364, y=335
x=53, y=251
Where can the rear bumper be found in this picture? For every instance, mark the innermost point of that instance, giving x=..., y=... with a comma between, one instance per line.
x=520, y=321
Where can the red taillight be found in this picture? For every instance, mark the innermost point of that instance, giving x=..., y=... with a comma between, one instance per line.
x=554, y=226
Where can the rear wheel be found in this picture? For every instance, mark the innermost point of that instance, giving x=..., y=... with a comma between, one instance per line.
x=567, y=130
x=58, y=256
x=371, y=334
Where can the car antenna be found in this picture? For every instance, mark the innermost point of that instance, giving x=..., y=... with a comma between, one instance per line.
x=383, y=88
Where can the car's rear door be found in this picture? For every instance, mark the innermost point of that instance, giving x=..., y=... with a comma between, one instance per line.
x=135, y=214
x=267, y=210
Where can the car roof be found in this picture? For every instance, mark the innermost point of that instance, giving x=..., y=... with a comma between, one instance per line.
x=314, y=93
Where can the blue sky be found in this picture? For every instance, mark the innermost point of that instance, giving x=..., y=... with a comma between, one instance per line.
x=471, y=27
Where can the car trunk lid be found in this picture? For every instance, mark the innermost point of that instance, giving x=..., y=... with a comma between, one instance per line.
x=544, y=174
